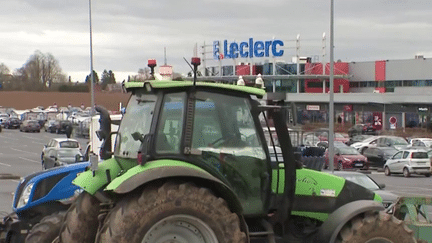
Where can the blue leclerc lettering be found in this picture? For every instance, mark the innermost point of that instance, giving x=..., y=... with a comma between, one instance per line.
x=243, y=53
x=268, y=44
x=274, y=48
x=259, y=49
x=251, y=48
x=234, y=50
x=226, y=54
x=216, y=50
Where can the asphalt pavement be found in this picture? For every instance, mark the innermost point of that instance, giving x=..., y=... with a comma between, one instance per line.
x=20, y=155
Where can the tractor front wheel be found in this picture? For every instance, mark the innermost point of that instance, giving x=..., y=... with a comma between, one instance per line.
x=172, y=212
x=47, y=230
x=376, y=227
x=81, y=220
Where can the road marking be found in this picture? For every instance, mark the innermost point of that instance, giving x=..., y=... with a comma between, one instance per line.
x=5, y=164
x=33, y=161
x=23, y=151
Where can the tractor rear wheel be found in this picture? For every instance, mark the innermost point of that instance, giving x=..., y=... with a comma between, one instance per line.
x=376, y=227
x=172, y=212
x=46, y=230
x=81, y=220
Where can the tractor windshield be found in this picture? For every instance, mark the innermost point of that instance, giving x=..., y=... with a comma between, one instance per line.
x=137, y=119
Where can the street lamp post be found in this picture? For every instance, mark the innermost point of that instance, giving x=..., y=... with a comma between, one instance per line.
x=331, y=105
x=92, y=101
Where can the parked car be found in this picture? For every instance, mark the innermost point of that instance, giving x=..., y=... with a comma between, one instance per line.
x=421, y=142
x=367, y=182
x=30, y=126
x=358, y=138
x=368, y=142
x=61, y=126
x=323, y=134
x=377, y=156
x=346, y=157
x=392, y=141
x=362, y=129
x=407, y=162
x=12, y=122
x=60, y=151
x=50, y=126
x=3, y=118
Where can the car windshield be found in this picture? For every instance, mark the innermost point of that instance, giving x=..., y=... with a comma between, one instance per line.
x=348, y=150
x=399, y=141
x=362, y=180
x=69, y=144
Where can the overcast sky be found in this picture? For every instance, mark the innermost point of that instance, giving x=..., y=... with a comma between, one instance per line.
x=126, y=33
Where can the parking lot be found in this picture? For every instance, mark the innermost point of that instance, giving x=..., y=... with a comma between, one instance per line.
x=20, y=155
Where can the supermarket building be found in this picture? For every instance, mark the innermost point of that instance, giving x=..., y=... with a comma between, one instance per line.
x=387, y=93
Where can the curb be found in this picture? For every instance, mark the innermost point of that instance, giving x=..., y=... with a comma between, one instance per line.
x=8, y=177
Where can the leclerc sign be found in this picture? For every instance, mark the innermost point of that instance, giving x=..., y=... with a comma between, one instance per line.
x=247, y=49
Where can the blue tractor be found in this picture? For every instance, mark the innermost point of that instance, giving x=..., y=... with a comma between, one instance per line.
x=39, y=204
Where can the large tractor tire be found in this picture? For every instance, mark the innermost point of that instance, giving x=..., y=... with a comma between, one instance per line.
x=376, y=227
x=46, y=230
x=172, y=213
x=81, y=220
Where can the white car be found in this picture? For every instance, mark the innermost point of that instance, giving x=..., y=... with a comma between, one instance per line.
x=421, y=142
x=407, y=162
x=368, y=142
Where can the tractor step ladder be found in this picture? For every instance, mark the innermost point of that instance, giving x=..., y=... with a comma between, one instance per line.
x=413, y=211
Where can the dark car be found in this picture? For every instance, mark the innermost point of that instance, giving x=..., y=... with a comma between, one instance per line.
x=377, y=156
x=60, y=126
x=30, y=126
x=362, y=129
x=12, y=123
x=367, y=182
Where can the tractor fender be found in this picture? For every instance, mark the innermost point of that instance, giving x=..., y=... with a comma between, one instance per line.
x=166, y=168
x=329, y=230
x=92, y=182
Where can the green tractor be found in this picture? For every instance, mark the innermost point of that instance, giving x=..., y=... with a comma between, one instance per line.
x=191, y=164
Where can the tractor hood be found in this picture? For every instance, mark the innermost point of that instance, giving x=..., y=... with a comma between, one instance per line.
x=318, y=194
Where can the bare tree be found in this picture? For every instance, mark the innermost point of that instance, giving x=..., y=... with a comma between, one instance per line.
x=42, y=70
x=4, y=69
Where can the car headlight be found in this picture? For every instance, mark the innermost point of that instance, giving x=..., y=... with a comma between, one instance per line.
x=25, y=195
x=346, y=159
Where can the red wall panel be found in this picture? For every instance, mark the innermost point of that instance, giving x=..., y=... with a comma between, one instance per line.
x=380, y=70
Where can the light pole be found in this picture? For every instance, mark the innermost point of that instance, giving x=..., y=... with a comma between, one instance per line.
x=331, y=105
x=92, y=101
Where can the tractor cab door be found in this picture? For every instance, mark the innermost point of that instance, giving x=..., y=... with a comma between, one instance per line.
x=226, y=138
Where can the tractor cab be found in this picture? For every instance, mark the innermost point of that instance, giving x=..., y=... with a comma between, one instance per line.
x=215, y=127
